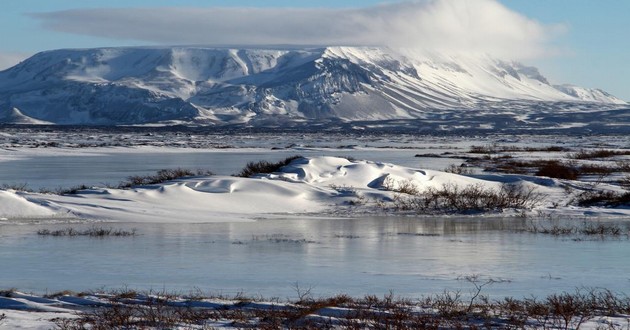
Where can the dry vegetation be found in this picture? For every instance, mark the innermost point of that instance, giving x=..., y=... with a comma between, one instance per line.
x=90, y=232
x=263, y=166
x=603, y=198
x=598, y=153
x=495, y=148
x=449, y=310
x=569, y=170
x=162, y=176
x=454, y=199
x=601, y=230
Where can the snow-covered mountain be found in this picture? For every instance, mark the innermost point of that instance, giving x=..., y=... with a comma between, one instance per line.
x=194, y=85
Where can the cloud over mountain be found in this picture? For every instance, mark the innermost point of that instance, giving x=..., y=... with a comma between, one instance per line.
x=446, y=26
x=9, y=59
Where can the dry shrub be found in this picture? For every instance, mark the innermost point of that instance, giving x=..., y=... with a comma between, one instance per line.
x=494, y=148
x=603, y=198
x=449, y=310
x=598, y=153
x=91, y=232
x=407, y=187
x=558, y=170
x=263, y=166
x=162, y=176
x=461, y=169
x=472, y=198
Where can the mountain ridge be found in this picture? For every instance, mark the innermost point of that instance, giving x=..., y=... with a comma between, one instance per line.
x=216, y=86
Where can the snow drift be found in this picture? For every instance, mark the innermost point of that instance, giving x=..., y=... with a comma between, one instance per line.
x=322, y=185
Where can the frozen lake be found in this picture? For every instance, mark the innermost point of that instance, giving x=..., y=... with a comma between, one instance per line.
x=371, y=255
x=411, y=256
x=99, y=168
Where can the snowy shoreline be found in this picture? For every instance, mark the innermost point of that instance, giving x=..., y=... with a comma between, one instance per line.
x=323, y=185
x=583, y=309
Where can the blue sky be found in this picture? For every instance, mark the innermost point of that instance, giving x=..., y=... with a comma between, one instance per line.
x=588, y=42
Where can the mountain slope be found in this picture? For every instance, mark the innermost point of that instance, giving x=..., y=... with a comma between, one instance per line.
x=221, y=85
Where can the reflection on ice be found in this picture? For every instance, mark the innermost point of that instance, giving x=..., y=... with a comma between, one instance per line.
x=410, y=256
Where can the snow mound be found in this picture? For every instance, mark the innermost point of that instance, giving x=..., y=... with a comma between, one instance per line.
x=333, y=171
x=321, y=185
x=14, y=205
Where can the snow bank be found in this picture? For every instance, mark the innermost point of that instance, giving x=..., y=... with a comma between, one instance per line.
x=307, y=185
x=14, y=205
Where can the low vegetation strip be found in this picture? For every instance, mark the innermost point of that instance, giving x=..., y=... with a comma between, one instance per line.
x=448, y=310
x=90, y=232
x=598, y=153
x=604, y=198
x=472, y=198
x=588, y=229
x=162, y=176
x=263, y=166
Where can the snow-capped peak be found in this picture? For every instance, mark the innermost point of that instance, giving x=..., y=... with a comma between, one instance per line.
x=228, y=85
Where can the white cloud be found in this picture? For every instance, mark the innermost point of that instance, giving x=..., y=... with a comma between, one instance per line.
x=456, y=26
x=9, y=59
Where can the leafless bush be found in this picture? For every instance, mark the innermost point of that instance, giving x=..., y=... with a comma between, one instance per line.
x=558, y=170
x=17, y=187
x=587, y=229
x=91, y=232
x=263, y=166
x=603, y=198
x=71, y=190
x=625, y=182
x=623, y=165
x=461, y=170
x=407, y=187
x=443, y=311
x=476, y=198
x=494, y=148
x=597, y=153
x=162, y=176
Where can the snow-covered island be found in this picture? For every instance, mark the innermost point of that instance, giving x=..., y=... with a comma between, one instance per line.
x=320, y=185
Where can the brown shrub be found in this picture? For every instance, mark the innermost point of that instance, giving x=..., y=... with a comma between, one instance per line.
x=558, y=170
x=263, y=166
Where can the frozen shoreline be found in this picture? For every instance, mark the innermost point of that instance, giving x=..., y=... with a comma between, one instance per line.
x=323, y=185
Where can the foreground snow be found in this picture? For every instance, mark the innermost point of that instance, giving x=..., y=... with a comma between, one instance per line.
x=155, y=310
x=322, y=185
